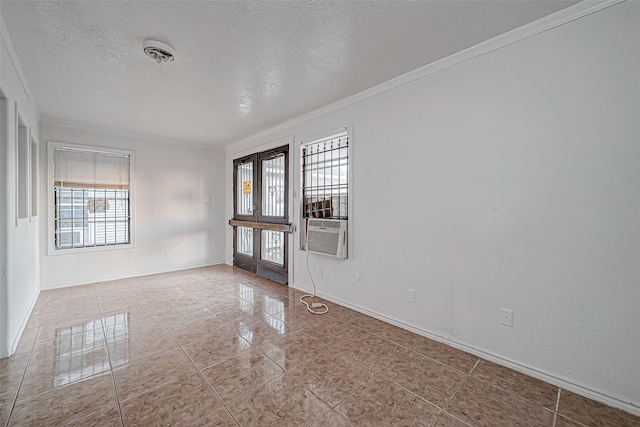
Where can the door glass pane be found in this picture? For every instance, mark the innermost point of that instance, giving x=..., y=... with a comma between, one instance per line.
x=245, y=189
x=245, y=241
x=273, y=246
x=273, y=186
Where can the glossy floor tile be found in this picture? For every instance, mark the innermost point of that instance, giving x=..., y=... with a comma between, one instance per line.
x=241, y=374
x=428, y=379
x=294, y=349
x=81, y=365
x=140, y=376
x=65, y=404
x=108, y=418
x=180, y=402
x=381, y=402
x=446, y=420
x=218, y=346
x=443, y=353
x=196, y=329
x=332, y=377
x=282, y=401
x=507, y=379
x=14, y=363
x=332, y=419
x=220, y=418
x=480, y=403
x=373, y=352
x=591, y=413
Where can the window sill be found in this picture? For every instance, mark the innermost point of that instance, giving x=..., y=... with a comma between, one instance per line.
x=61, y=252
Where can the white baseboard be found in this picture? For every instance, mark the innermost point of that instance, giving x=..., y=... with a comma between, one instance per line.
x=500, y=360
x=16, y=340
x=129, y=276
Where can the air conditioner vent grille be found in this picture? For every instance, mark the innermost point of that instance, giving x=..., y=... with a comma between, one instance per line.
x=327, y=237
x=324, y=224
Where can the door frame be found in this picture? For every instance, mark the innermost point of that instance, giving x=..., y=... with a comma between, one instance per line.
x=255, y=264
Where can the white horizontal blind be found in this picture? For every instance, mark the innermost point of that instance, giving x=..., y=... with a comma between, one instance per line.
x=91, y=169
x=92, y=198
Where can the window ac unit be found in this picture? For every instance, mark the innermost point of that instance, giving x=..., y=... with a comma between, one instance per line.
x=327, y=237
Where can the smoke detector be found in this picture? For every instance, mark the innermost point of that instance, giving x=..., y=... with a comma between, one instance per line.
x=158, y=51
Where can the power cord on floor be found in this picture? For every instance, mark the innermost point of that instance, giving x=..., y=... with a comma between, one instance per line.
x=314, y=304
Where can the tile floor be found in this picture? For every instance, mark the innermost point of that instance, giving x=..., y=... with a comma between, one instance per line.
x=220, y=347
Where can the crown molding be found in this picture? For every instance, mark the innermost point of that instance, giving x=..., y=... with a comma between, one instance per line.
x=564, y=16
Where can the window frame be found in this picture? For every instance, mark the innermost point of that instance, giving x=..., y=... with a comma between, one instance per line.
x=306, y=140
x=23, y=168
x=51, y=244
x=34, y=164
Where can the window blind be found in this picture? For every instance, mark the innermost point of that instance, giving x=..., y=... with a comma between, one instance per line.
x=90, y=169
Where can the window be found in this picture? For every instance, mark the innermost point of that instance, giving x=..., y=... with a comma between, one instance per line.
x=326, y=192
x=34, y=178
x=325, y=177
x=22, y=169
x=91, y=197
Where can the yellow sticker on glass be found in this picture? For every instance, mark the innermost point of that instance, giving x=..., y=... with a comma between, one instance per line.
x=246, y=187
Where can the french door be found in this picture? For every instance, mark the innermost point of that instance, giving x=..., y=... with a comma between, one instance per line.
x=260, y=213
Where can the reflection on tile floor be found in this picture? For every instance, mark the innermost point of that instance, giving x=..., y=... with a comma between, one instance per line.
x=217, y=346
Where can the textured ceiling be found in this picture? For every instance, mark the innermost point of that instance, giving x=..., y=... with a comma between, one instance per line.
x=241, y=67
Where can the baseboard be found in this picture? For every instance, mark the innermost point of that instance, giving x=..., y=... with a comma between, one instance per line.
x=130, y=276
x=14, y=345
x=492, y=357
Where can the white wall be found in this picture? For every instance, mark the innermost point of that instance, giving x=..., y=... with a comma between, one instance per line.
x=508, y=180
x=169, y=183
x=19, y=262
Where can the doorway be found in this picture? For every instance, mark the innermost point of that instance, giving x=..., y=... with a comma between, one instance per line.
x=261, y=214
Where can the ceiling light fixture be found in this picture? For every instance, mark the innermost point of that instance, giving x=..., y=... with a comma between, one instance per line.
x=158, y=51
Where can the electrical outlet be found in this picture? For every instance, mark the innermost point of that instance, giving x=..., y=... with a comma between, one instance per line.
x=358, y=276
x=206, y=199
x=166, y=254
x=507, y=317
x=411, y=295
